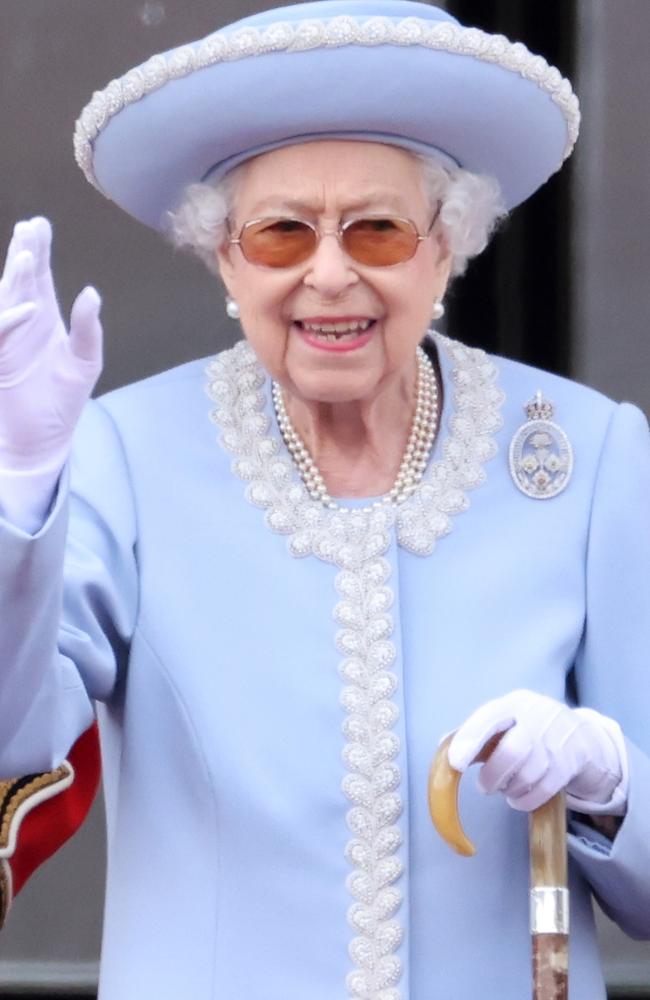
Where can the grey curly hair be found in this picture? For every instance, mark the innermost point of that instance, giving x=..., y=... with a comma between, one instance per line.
x=471, y=208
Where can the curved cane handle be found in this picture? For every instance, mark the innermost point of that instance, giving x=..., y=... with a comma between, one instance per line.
x=444, y=782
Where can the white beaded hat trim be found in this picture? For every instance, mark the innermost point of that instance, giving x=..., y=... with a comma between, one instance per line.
x=313, y=34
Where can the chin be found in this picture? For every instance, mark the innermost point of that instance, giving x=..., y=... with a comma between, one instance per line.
x=322, y=387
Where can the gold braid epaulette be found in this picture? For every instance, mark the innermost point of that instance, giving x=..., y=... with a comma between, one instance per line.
x=15, y=792
x=15, y=795
x=5, y=891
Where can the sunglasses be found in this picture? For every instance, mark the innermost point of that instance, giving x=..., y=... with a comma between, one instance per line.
x=374, y=241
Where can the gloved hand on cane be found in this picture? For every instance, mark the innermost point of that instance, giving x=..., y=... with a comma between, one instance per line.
x=546, y=747
x=46, y=374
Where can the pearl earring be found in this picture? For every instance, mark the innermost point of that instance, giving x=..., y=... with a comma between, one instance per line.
x=438, y=309
x=232, y=308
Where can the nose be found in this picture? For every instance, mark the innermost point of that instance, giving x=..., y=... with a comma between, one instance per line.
x=330, y=271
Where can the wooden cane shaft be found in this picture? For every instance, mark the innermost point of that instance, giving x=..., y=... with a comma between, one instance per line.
x=548, y=853
x=550, y=967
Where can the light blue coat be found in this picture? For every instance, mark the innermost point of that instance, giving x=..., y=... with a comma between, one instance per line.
x=225, y=656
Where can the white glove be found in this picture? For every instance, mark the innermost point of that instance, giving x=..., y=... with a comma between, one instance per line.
x=547, y=746
x=46, y=375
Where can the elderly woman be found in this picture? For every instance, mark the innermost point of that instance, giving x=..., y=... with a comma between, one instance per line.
x=389, y=536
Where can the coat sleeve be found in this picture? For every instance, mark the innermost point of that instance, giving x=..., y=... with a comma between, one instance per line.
x=69, y=597
x=612, y=671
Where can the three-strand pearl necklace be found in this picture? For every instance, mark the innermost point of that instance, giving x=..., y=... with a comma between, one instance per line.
x=416, y=454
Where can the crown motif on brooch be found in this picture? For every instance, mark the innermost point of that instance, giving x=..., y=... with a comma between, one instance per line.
x=539, y=408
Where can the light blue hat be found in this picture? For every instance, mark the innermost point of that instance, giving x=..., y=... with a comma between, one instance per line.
x=391, y=71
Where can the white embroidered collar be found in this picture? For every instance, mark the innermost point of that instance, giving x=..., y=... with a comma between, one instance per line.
x=239, y=387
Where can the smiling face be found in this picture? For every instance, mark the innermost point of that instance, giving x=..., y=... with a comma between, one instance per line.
x=283, y=310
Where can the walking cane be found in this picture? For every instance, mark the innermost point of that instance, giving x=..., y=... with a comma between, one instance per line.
x=549, y=895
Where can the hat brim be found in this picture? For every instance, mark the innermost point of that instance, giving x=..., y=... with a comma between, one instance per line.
x=486, y=104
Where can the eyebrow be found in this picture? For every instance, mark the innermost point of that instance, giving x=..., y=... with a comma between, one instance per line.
x=300, y=207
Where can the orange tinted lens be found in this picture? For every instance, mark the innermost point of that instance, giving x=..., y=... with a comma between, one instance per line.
x=277, y=242
x=380, y=242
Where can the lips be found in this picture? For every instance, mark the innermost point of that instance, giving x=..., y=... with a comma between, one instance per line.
x=335, y=333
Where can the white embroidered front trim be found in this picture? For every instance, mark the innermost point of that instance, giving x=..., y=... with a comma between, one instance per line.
x=312, y=34
x=373, y=778
x=356, y=541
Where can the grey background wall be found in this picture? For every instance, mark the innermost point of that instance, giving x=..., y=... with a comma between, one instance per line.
x=612, y=196
x=611, y=249
x=162, y=309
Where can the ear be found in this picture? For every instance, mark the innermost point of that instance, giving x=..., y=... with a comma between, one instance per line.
x=225, y=265
x=445, y=261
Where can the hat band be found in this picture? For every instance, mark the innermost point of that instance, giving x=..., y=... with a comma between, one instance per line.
x=412, y=145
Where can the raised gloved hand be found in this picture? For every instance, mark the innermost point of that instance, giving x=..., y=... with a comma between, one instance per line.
x=46, y=375
x=546, y=747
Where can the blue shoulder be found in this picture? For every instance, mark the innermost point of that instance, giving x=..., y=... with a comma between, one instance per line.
x=574, y=404
x=175, y=382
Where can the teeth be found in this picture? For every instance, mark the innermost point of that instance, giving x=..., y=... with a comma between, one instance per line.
x=329, y=330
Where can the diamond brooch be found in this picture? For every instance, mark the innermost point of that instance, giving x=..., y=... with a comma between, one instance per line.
x=540, y=457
